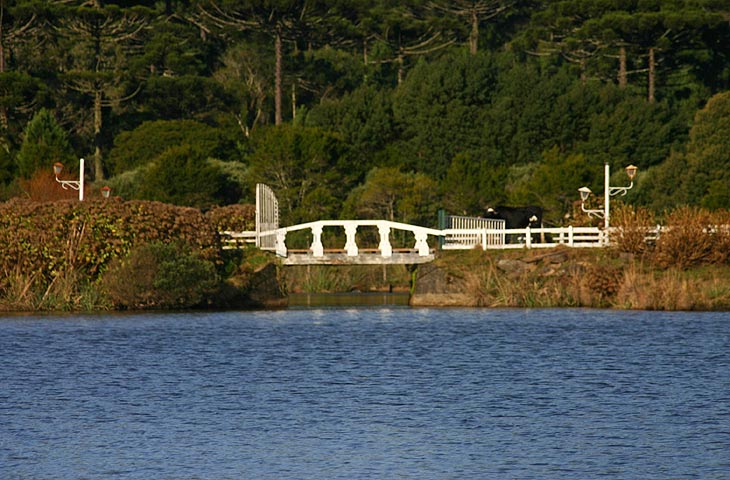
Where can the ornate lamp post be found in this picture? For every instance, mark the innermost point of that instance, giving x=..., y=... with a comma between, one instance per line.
x=74, y=184
x=608, y=192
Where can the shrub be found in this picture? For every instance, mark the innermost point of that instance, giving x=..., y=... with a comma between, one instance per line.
x=160, y=275
x=233, y=217
x=139, y=147
x=633, y=226
x=44, y=144
x=49, y=238
x=183, y=176
x=687, y=240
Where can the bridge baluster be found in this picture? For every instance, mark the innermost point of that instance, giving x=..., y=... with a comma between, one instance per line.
x=386, y=250
x=421, y=243
x=351, y=245
x=317, y=247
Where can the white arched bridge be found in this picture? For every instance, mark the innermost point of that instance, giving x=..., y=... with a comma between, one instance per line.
x=333, y=242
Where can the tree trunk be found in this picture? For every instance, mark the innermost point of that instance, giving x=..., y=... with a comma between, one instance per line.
x=622, y=76
x=401, y=68
x=3, y=110
x=474, y=35
x=652, y=74
x=277, y=79
x=98, y=166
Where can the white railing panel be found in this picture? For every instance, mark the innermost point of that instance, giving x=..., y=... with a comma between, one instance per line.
x=267, y=217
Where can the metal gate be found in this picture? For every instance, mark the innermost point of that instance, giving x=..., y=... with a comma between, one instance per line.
x=267, y=217
x=456, y=239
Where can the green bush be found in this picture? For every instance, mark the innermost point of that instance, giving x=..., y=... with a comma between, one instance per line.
x=52, y=237
x=44, y=144
x=160, y=275
x=145, y=143
x=183, y=176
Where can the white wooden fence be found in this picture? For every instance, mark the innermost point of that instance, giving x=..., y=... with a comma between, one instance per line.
x=468, y=232
x=577, y=237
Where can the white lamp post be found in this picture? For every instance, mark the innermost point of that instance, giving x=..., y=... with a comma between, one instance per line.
x=74, y=184
x=608, y=192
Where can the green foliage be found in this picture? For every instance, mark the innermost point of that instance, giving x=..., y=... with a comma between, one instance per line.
x=142, y=145
x=183, y=176
x=19, y=92
x=44, y=144
x=364, y=119
x=160, y=275
x=186, y=96
x=472, y=182
x=553, y=183
x=699, y=176
x=635, y=131
x=308, y=168
x=393, y=195
x=376, y=80
x=708, y=155
x=440, y=110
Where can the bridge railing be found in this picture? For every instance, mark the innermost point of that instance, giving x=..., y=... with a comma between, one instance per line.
x=351, y=248
x=454, y=238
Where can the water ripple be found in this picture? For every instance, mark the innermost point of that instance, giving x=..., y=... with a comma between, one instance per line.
x=360, y=394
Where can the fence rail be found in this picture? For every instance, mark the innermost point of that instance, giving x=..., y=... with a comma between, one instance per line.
x=578, y=237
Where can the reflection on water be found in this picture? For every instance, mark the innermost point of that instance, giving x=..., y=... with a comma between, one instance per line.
x=352, y=393
x=349, y=299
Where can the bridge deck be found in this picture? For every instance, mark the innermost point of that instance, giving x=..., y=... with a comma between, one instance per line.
x=340, y=257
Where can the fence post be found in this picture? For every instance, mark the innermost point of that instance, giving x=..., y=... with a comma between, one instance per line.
x=442, y=226
x=570, y=235
x=528, y=237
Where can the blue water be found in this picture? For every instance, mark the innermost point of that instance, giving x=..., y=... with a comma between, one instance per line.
x=366, y=394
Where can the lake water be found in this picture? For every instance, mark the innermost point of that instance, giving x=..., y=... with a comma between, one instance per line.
x=379, y=393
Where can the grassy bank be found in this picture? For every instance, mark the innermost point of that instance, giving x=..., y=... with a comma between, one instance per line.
x=149, y=255
x=569, y=278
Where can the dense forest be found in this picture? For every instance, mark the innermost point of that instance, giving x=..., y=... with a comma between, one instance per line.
x=369, y=109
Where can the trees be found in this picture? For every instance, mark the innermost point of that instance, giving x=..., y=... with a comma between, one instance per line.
x=397, y=196
x=441, y=108
x=182, y=175
x=373, y=84
x=308, y=168
x=139, y=147
x=364, y=120
x=474, y=12
x=99, y=39
x=708, y=155
x=287, y=20
x=620, y=40
x=699, y=175
x=44, y=144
